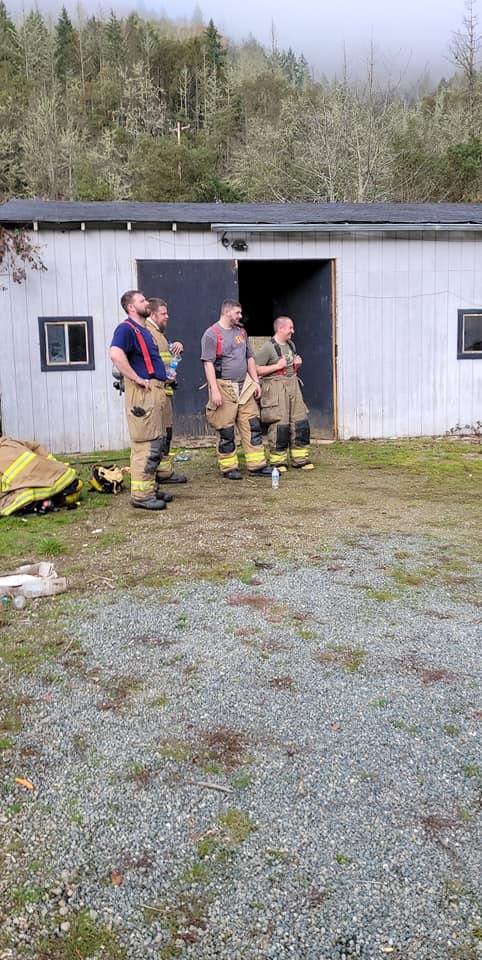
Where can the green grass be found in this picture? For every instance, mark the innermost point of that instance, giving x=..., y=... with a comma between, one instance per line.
x=85, y=939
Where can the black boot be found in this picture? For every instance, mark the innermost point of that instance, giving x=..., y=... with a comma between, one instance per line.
x=167, y=497
x=233, y=474
x=262, y=472
x=150, y=504
x=174, y=478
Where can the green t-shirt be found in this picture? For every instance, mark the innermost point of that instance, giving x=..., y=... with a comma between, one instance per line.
x=267, y=355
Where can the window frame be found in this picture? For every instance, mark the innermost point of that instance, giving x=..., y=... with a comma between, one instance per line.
x=49, y=367
x=461, y=353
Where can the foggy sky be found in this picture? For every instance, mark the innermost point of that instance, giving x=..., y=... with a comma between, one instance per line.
x=409, y=36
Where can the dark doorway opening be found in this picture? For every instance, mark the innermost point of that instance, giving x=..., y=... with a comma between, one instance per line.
x=302, y=290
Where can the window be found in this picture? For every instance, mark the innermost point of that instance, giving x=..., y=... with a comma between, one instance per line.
x=66, y=343
x=469, y=339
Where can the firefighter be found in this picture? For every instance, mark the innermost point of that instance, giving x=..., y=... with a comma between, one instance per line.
x=283, y=409
x=157, y=324
x=137, y=358
x=233, y=387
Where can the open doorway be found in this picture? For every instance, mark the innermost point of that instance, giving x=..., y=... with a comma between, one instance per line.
x=302, y=290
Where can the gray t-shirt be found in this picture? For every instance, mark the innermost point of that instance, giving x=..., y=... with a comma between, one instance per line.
x=235, y=351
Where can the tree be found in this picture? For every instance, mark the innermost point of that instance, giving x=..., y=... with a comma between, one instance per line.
x=65, y=48
x=18, y=253
x=464, y=51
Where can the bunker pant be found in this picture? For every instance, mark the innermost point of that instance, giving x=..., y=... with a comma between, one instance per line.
x=166, y=468
x=238, y=410
x=146, y=412
x=284, y=413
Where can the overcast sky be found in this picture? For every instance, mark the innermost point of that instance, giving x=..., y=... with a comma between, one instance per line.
x=405, y=31
x=411, y=35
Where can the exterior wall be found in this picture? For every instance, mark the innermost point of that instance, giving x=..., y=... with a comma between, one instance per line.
x=397, y=300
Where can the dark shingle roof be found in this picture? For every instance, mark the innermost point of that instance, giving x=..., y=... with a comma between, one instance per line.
x=70, y=212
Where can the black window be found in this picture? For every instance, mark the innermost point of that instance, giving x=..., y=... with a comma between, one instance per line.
x=469, y=339
x=66, y=343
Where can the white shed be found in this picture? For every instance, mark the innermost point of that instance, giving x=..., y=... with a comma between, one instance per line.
x=386, y=301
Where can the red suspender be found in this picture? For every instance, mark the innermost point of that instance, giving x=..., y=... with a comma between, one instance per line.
x=143, y=345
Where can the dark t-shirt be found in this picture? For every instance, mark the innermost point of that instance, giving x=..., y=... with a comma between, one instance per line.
x=125, y=338
x=235, y=351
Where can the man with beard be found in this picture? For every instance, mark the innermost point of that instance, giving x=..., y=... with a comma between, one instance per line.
x=137, y=358
x=157, y=325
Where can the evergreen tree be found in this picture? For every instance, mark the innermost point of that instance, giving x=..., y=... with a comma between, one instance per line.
x=65, y=54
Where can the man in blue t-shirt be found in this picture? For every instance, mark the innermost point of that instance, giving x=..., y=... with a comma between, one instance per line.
x=136, y=356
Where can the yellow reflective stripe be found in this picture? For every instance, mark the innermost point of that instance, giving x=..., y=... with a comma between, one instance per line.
x=14, y=469
x=169, y=391
x=228, y=462
x=278, y=458
x=142, y=484
x=166, y=356
x=39, y=493
x=257, y=457
x=300, y=453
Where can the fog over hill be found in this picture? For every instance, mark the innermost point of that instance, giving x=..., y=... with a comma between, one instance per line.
x=409, y=38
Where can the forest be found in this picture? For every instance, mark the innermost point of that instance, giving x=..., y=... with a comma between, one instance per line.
x=118, y=108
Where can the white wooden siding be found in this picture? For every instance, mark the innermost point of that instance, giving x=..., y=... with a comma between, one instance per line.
x=397, y=301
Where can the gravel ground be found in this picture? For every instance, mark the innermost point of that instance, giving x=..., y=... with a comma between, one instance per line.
x=338, y=708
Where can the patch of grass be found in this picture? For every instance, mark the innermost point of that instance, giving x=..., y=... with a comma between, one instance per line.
x=161, y=701
x=242, y=780
x=343, y=859
x=348, y=659
x=451, y=730
x=75, y=815
x=307, y=634
x=52, y=546
x=410, y=578
x=472, y=770
x=237, y=825
x=406, y=727
x=27, y=894
x=174, y=749
x=196, y=872
x=112, y=538
x=182, y=622
x=381, y=702
x=381, y=595
x=85, y=939
x=6, y=743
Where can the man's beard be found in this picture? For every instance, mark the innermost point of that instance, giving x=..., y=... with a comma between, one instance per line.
x=144, y=313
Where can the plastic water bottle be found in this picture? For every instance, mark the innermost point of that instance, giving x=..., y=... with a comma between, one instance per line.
x=275, y=478
x=172, y=367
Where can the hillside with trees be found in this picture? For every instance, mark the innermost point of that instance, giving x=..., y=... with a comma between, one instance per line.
x=120, y=108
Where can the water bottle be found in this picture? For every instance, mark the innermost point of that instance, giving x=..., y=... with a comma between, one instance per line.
x=172, y=367
x=275, y=478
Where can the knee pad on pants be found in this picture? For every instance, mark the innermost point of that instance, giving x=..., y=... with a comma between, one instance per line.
x=302, y=433
x=155, y=455
x=226, y=440
x=282, y=436
x=255, y=428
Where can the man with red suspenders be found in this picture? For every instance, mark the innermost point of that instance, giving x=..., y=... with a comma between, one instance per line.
x=137, y=358
x=233, y=387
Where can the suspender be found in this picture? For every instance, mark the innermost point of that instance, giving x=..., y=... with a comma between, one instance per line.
x=219, y=348
x=143, y=345
x=280, y=354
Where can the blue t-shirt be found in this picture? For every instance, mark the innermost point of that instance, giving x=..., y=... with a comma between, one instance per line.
x=125, y=338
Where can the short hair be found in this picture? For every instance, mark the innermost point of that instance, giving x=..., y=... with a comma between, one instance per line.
x=155, y=303
x=127, y=298
x=280, y=322
x=229, y=305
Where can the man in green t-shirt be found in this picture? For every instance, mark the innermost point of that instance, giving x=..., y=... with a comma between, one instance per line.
x=283, y=410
